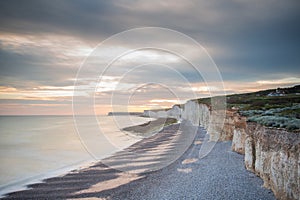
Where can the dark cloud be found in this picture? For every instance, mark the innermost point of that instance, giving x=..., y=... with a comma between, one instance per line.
x=25, y=70
x=81, y=18
x=254, y=36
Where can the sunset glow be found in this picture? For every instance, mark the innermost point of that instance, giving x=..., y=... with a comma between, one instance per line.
x=40, y=55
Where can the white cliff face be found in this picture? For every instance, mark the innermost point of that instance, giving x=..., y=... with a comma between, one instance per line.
x=191, y=112
x=200, y=114
x=238, y=141
x=204, y=115
x=149, y=113
x=197, y=114
x=174, y=112
x=270, y=153
x=274, y=156
x=249, y=154
x=161, y=114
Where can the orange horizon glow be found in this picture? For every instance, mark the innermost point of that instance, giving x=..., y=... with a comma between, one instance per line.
x=59, y=94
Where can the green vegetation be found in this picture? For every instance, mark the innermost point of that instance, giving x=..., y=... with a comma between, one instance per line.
x=253, y=102
x=206, y=101
x=278, y=108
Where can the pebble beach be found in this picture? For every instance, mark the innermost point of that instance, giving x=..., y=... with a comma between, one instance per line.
x=219, y=175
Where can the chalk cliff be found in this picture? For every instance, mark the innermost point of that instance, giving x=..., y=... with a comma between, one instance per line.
x=202, y=114
x=272, y=154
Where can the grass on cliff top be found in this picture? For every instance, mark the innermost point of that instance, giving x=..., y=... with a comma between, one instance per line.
x=272, y=111
x=260, y=100
x=255, y=102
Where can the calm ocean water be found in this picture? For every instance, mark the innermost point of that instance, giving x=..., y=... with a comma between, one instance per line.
x=35, y=147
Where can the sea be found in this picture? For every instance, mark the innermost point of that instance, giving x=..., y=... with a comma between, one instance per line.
x=33, y=148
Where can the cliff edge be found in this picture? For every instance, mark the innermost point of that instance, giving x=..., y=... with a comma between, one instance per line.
x=271, y=148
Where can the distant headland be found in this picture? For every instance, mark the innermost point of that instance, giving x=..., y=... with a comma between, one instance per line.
x=124, y=113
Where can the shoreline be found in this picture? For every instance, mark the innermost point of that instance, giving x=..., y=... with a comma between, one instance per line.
x=24, y=184
x=85, y=165
x=203, y=178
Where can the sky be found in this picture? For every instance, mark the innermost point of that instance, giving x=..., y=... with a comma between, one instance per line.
x=54, y=54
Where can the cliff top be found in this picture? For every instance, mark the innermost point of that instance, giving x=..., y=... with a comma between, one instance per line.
x=278, y=108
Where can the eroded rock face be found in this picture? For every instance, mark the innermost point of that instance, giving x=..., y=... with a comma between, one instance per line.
x=235, y=130
x=228, y=128
x=274, y=156
x=271, y=154
x=250, y=155
x=238, y=142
